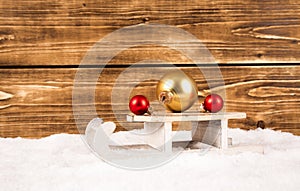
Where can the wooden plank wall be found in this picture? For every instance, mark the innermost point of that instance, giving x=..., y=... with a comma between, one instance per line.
x=256, y=43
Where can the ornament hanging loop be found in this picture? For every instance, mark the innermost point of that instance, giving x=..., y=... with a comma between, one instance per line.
x=150, y=110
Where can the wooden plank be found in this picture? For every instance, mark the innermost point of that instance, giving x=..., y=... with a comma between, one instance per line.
x=187, y=116
x=208, y=133
x=38, y=102
x=61, y=32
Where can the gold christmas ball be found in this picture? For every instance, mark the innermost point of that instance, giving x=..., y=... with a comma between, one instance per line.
x=177, y=91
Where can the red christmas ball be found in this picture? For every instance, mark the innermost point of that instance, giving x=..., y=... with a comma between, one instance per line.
x=213, y=103
x=139, y=105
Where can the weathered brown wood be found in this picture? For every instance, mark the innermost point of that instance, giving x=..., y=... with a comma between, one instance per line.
x=60, y=32
x=38, y=102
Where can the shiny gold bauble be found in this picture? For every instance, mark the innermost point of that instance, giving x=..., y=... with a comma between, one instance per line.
x=177, y=91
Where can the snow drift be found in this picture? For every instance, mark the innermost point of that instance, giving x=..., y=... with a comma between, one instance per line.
x=64, y=162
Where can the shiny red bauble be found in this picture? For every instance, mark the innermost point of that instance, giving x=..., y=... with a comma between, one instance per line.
x=213, y=103
x=139, y=105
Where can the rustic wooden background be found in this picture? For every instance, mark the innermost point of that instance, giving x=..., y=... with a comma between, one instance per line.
x=255, y=42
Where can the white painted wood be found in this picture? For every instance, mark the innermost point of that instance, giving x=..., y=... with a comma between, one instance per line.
x=171, y=117
x=209, y=134
x=224, y=134
x=229, y=141
x=181, y=136
x=98, y=134
x=159, y=136
x=102, y=137
x=167, y=137
x=130, y=138
x=91, y=129
x=158, y=132
x=153, y=135
x=231, y=150
x=215, y=135
x=194, y=127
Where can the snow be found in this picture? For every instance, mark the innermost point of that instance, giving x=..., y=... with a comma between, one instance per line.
x=64, y=162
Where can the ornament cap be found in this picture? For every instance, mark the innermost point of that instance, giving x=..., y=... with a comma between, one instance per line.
x=166, y=97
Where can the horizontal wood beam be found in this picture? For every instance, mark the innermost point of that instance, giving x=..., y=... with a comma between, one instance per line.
x=61, y=32
x=38, y=102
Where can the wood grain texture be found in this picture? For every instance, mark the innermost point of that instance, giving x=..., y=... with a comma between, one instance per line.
x=235, y=31
x=38, y=102
x=48, y=39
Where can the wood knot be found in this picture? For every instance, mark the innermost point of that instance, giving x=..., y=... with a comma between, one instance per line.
x=294, y=42
x=261, y=124
x=259, y=55
x=83, y=4
x=146, y=19
x=5, y=96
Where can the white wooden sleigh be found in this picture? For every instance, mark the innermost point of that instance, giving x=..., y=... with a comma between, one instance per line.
x=158, y=133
